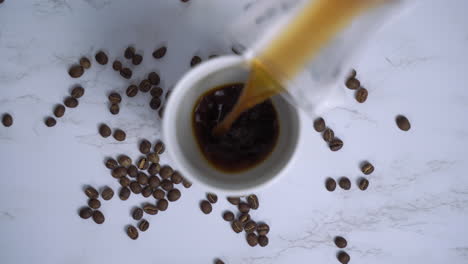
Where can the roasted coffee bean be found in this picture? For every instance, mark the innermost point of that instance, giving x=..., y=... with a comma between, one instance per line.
x=352, y=74
x=129, y=52
x=94, y=203
x=98, y=217
x=101, y=58
x=167, y=185
x=236, y=225
x=159, y=148
x=244, y=208
x=156, y=91
x=159, y=194
x=162, y=204
x=132, y=171
x=59, y=110
x=104, y=130
x=117, y=65
x=319, y=124
x=114, y=109
x=166, y=172
x=205, y=206
x=195, y=60
x=124, y=193
x=91, y=192
x=77, y=92
x=250, y=226
x=107, y=193
x=142, y=178
x=263, y=229
x=86, y=212
x=212, y=198
x=154, y=181
x=330, y=184
x=124, y=160
x=244, y=218
x=252, y=200
x=119, y=172
x=50, y=121
x=132, y=232
x=137, y=213
x=154, y=78
x=76, y=71
x=217, y=261
x=176, y=178
x=234, y=200
x=111, y=163
x=343, y=257
x=119, y=135
x=126, y=73
x=143, y=225
x=336, y=144
x=145, y=86
x=367, y=168
x=252, y=239
x=70, y=102
x=344, y=183
x=124, y=181
x=132, y=91
x=115, y=98
x=137, y=59
x=85, y=63
x=328, y=135
x=403, y=123
x=353, y=83
x=186, y=183
x=173, y=195
x=263, y=241
x=152, y=157
x=143, y=163
x=150, y=209
x=228, y=216
x=135, y=187
x=154, y=169
x=363, y=184
x=160, y=52
x=7, y=120
x=361, y=95
x=155, y=103
x=340, y=242
x=145, y=146
x=147, y=191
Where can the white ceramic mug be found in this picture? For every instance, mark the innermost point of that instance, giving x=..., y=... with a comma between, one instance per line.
x=181, y=143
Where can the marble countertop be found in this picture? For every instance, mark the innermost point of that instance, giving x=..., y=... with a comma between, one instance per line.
x=416, y=207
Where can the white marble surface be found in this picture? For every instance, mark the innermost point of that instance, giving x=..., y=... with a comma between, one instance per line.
x=415, y=210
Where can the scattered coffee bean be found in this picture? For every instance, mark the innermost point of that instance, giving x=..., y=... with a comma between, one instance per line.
x=155, y=103
x=124, y=193
x=217, y=261
x=124, y=182
x=154, y=181
x=343, y=257
x=159, y=53
x=156, y=91
x=250, y=226
x=263, y=241
x=145, y=146
x=330, y=184
x=76, y=71
x=363, y=184
x=328, y=135
x=126, y=73
x=132, y=91
x=135, y=187
x=129, y=52
x=114, y=109
x=7, y=120
x=137, y=59
x=228, y=216
x=101, y=58
x=244, y=218
x=340, y=242
x=104, y=130
x=77, y=92
x=167, y=185
x=319, y=124
x=205, y=206
x=132, y=171
x=252, y=200
x=162, y=204
x=166, y=172
x=119, y=172
x=143, y=225
x=115, y=98
x=86, y=212
x=154, y=78
x=50, y=121
x=176, y=178
x=154, y=169
x=236, y=226
x=137, y=213
x=336, y=144
x=107, y=193
x=252, y=239
x=244, y=208
x=150, y=209
x=403, y=123
x=367, y=168
x=159, y=148
x=212, y=198
x=124, y=160
x=70, y=102
x=173, y=195
x=85, y=63
x=94, y=203
x=158, y=194
x=145, y=86
x=91, y=192
x=98, y=217
x=187, y=184
x=195, y=60
x=111, y=163
x=344, y=183
x=234, y=200
x=263, y=229
x=117, y=65
x=132, y=232
x=352, y=74
x=361, y=95
x=353, y=83
x=142, y=163
x=142, y=178
x=147, y=191
x=153, y=157
x=119, y=135
x=59, y=111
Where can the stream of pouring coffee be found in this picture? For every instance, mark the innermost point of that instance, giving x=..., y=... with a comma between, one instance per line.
x=295, y=45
